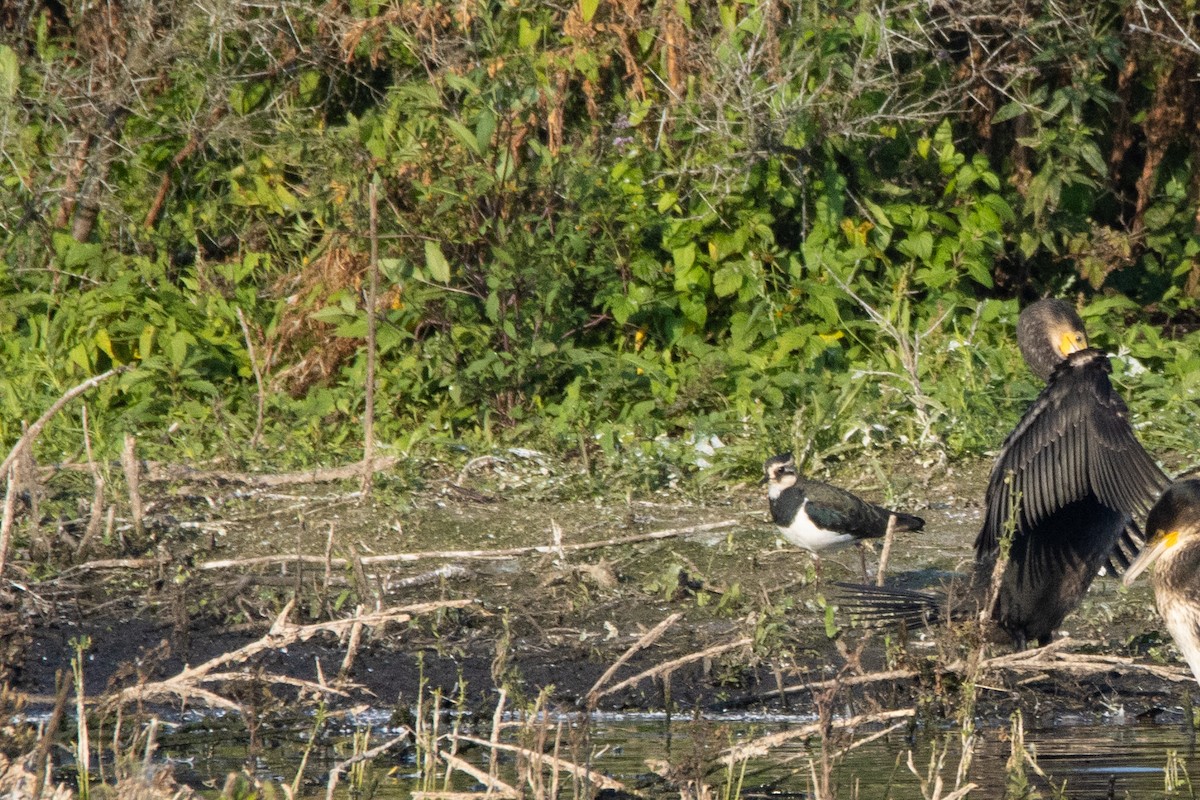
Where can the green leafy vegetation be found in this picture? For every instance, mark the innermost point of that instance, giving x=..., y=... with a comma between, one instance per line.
x=622, y=234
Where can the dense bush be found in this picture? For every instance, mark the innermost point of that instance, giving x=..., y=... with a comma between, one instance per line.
x=614, y=227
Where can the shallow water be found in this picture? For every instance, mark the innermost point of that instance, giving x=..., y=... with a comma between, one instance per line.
x=1106, y=756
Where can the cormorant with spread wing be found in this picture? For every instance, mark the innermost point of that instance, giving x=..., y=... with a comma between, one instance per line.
x=1074, y=473
x=1069, y=481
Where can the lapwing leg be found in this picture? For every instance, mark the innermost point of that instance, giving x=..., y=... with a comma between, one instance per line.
x=887, y=550
x=862, y=558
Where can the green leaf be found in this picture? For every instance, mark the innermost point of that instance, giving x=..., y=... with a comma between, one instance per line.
x=684, y=257
x=1091, y=154
x=145, y=341
x=789, y=341
x=919, y=246
x=979, y=272
x=177, y=348
x=588, y=7
x=695, y=311
x=79, y=355
x=527, y=35
x=727, y=280
x=104, y=343
x=437, y=264
x=1008, y=111
x=464, y=134
x=334, y=315
x=10, y=73
x=622, y=308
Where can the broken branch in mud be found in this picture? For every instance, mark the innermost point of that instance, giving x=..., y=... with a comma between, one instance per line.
x=495, y=786
x=186, y=683
x=670, y=666
x=856, y=680
x=367, y=755
x=596, y=779
x=156, y=472
x=1051, y=657
x=645, y=641
x=35, y=429
x=757, y=748
x=1037, y=660
x=401, y=558
x=366, y=479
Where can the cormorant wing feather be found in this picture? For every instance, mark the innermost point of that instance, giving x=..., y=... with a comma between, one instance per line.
x=1124, y=475
x=1074, y=441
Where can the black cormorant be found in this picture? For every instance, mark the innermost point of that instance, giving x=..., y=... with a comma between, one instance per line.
x=1065, y=490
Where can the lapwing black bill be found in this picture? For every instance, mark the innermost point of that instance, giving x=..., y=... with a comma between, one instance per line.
x=1173, y=547
x=821, y=518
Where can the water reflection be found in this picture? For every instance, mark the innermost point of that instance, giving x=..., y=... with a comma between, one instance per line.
x=1072, y=758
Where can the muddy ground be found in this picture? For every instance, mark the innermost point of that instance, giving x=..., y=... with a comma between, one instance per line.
x=553, y=621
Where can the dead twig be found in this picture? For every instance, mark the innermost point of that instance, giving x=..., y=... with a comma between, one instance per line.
x=649, y=638
x=27, y=438
x=186, y=683
x=1037, y=660
x=480, y=554
x=401, y=558
x=757, y=748
x=372, y=299
x=258, y=379
x=888, y=538
x=168, y=473
x=96, y=517
x=596, y=779
x=35, y=429
x=671, y=666
x=336, y=772
x=190, y=147
x=495, y=786
x=133, y=481
x=875, y=677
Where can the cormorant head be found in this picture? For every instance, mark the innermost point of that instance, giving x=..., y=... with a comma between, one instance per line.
x=1048, y=331
x=780, y=474
x=1174, y=520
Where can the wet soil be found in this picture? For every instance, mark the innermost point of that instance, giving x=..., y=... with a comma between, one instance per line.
x=548, y=622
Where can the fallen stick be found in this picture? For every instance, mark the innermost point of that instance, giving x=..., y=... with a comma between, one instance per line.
x=282, y=633
x=401, y=558
x=759, y=747
x=856, y=680
x=671, y=666
x=888, y=538
x=133, y=482
x=649, y=638
x=594, y=778
x=365, y=467
x=494, y=786
x=1036, y=660
x=157, y=472
x=340, y=767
